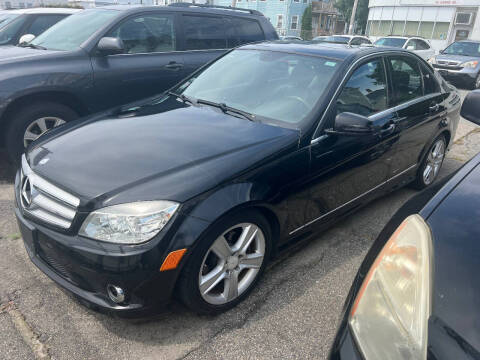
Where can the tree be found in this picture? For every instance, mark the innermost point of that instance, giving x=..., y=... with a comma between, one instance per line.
x=345, y=8
x=307, y=23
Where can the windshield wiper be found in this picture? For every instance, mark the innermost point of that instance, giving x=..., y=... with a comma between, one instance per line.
x=228, y=109
x=182, y=97
x=33, y=46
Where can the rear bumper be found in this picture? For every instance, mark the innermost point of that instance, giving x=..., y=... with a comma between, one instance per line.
x=85, y=272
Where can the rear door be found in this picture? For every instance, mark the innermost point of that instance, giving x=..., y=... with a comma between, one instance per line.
x=149, y=65
x=419, y=103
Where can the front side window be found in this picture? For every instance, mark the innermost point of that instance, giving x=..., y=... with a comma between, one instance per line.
x=146, y=34
x=365, y=93
x=406, y=78
x=42, y=23
x=72, y=32
x=280, y=87
x=356, y=41
x=411, y=45
x=202, y=32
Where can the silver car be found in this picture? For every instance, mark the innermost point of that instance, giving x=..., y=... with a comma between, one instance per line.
x=459, y=63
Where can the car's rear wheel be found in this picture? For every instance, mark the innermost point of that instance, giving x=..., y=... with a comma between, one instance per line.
x=431, y=165
x=476, y=84
x=31, y=122
x=227, y=264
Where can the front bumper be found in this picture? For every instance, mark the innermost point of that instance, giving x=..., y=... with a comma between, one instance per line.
x=464, y=77
x=86, y=271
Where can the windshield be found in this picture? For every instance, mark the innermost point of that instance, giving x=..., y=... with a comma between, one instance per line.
x=6, y=19
x=8, y=32
x=463, y=48
x=72, y=32
x=393, y=42
x=336, y=39
x=274, y=85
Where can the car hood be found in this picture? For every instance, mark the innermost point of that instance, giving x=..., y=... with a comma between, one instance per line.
x=456, y=288
x=173, y=155
x=12, y=54
x=459, y=58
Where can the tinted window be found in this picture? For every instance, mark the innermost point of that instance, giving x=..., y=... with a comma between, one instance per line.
x=422, y=45
x=463, y=48
x=42, y=23
x=147, y=34
x=202, y=32
x=365, y=93
x=406, y=78
x=430, y=84
x=411, y=45
x=356, y=41
x=244, y=31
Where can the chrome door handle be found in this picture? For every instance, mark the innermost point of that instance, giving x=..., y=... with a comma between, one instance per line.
x=387, y=131
x=434, y=108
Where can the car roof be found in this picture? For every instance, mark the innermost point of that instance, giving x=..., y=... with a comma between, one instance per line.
x=185, y=7
x=331, y=50
x=44, y=11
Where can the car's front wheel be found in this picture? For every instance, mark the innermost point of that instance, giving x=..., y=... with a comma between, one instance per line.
x=431, y=165
x=31, y=122
x=227, y=263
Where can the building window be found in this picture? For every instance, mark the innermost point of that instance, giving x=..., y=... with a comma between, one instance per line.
x=296, y=1
x=384, y=29
x=397, y=28
x=304, y=1
x=294, y=25
x=374, y=28
x=279, y=21
x=440, y=31
x=426, y=29
x=411, y=28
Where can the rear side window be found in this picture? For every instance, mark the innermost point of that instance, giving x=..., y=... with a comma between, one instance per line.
x=42, y=23
x=203, y=32
x=242, y=31
x=356, y=41
x=365, y=93
x=406, y=79
x=422, y=45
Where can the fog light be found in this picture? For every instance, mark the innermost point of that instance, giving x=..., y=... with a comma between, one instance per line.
x=115, y=293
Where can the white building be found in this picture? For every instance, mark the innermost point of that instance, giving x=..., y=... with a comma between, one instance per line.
x=441, y=21
x=22, y=4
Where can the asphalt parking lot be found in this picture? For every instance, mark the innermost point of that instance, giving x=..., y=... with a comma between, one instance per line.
x=292, y=314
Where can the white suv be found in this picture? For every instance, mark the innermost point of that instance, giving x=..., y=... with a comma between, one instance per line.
x=418, y=45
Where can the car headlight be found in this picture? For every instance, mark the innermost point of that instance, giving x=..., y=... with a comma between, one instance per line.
x=131, y=223
x=470, y=64
x=389, y=317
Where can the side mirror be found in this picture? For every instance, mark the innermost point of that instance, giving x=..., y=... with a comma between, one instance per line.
x=352, y=125
x=411, y=47
x=25, y=39
x=471, y=107
x=110, y=46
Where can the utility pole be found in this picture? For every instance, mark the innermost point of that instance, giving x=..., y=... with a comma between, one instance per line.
x=352, y=19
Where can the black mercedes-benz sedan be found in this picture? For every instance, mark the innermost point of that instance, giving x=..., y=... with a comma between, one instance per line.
x=193, y=191
x=417, y=293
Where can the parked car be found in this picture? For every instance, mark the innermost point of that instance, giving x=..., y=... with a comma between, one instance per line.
x=344, y=39
x=196, y=189
x=104, y=57
x=459, y=63
x=419, y=46
x=416, y=293
x=16, y=23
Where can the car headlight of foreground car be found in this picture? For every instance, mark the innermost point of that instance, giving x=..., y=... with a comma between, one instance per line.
x=131, y=223
x=470, y=64
x=389, y=317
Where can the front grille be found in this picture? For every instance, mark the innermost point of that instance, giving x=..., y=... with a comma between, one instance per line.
x=42, y=200
x=450, y=65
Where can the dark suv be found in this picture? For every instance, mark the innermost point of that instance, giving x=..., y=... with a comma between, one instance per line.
x=101, y=58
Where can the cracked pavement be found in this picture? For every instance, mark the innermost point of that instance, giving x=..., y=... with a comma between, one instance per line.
x=292, y=314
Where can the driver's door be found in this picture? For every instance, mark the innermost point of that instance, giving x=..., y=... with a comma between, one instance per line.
x=346, y=169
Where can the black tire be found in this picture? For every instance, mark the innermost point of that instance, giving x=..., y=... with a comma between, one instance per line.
x=20, y=120
x=420, y=182
x=476, y=83
x=188, y=284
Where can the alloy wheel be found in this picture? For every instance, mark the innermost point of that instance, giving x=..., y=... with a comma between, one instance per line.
x=477, y=82
x=434, y=161
x=39, y=127
x=231, y=264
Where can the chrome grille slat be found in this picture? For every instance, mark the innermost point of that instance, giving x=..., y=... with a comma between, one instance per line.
x=45, y=201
